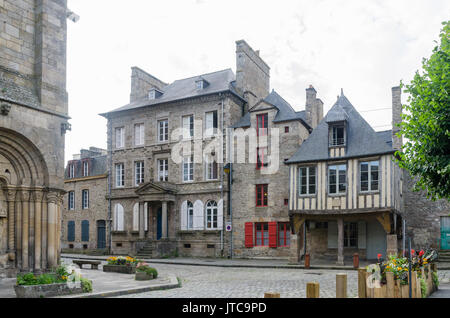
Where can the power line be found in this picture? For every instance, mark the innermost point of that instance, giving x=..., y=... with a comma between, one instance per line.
x=373, y=110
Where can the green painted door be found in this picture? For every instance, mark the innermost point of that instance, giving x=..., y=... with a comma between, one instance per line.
x=445, y=232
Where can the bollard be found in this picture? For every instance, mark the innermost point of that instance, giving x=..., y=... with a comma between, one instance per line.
x=362, y=283
x=307, y=261
x=312, y=290
x=341, y=285
x=355, y=260
x=271, y=295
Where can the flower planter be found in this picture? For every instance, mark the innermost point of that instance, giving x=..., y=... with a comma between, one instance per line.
x=49, y=290
x=124, y=269
x=143, y=276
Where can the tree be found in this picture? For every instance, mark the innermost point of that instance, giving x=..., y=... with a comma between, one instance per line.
x=426, y=123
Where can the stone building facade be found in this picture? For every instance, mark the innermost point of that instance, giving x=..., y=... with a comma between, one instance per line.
x=85, y=220
x=33, y=122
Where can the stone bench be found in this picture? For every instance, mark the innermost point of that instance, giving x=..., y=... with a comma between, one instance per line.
x=94, y=264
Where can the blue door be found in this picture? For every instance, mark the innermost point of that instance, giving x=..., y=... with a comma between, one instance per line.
x=159, y=224
x=101, y=234
x=445, y=232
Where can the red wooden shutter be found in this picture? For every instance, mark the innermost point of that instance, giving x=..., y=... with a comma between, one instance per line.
x=272, y=234
x=248, y=234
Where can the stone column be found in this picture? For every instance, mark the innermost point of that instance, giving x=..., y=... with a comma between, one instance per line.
x=58, y=228
x=37, y=230
x=294, y=249
x=51, y=223
x=164, y=220
x=18, y=227
x=141, y=220
x=31, y=230
x=11, y=197
x=44, y=228
x=25, y=227
x=340, y=258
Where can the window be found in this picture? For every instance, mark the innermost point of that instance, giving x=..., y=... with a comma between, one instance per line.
x=120, y=175
x=152, y=94
x=188, y=126
x=71, y=231
x=190, y=215
x=71, y=200
x=369, y=176
x=337, y=136
x=211, y=169
x=139, y=134
x=337, y=182
x=211, y=215
x=163, y=169
x=261, y=234
x=118, y=217
x=261, y=158
x=71, y=170
x=85, y=231
x=211, y=123
x=163, y=130
x=85, y=199
x=284, y=234
x=261, y=194
x=351, y=234
x=261, y=124
x=85, y=168
x=139, y=172
x=199, y=84
x=188, y=168
x=286, y=129
x=307, y=180
x=120, y=137
x=286, y=201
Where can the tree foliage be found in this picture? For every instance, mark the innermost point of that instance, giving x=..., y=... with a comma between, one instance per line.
x=426, y=123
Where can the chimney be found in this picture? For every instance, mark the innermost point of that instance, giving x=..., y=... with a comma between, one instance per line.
x=314, y=107
x=252, y=73
x=397, y=142
x=142, y=82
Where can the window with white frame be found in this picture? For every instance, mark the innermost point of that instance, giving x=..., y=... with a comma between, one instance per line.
x=163, y=130
x=85, y=199
x=211, y=215
x=120, y=175
x=211, y=123
x=163, y=169
x=337, y=179
x=188, y=168
x=139, y=172
x=369, y=175
x=337, y=137
x=71, y=200
x=139, y=134
x=211, y=169
x=120, y=137
x=85, y=168
x=306, y=180
x=190, y=215
x=188, y=126
x=71, y=170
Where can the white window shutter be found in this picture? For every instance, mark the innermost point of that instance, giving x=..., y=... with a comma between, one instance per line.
x=145, y=216
x=209, y=124
x=361, y=234
x=332, y=235
x=220, y=214
x=136, y=217
x=119, y=214
x=199, y=223
x=183, y=215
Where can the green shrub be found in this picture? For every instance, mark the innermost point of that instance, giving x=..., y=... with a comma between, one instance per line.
x=148, y=270
x=27, y=279
x=423, y=287
x=435, y=278
x=86, y=285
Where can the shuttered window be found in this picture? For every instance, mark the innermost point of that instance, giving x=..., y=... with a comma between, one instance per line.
x=284, y=234
x=262, y=234
x=248, y=234
x=85, y=231
x=261, y=195
x=71, y=231
x=272, y=234
x=211, y=215
x=188, y=127
x=211, y=123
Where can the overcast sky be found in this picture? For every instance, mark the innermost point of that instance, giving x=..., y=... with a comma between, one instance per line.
x=364, y=47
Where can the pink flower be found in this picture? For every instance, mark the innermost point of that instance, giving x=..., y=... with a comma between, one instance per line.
x=421, y=253
x=413, y=252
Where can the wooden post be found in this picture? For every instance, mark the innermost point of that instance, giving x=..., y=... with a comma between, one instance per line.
x=271, y=295
x=312, y=290
x=362, y=283
x=414, y=284
x=390, y=285
x=405, y=291
x=377, y=292
x=397, y=293
x=341, y=285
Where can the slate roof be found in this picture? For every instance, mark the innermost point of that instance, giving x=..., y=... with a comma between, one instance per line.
x=361, y=141
x=98, y=167
x=285, y=112
x=220, y=81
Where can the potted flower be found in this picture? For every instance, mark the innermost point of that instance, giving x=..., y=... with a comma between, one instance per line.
x=121, y=264
x=145, y=272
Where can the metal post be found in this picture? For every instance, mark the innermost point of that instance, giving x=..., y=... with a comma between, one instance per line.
x=404, y=237
x=409, y=269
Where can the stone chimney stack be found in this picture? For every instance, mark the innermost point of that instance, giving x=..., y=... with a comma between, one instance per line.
x=397, y=142
x=142, y=82
x=252, y=74
x=314, y=107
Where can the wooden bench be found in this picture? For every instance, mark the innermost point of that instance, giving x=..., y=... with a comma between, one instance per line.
x=80, y=262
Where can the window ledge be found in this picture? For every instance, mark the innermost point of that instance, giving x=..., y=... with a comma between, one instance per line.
x=119, y=232
x=370, y=192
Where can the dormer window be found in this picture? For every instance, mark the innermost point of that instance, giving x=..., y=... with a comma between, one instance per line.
x=201, y=84
x=337, y=135
x=154, y=93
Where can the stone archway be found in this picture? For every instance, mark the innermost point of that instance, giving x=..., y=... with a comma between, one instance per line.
x=29, y=238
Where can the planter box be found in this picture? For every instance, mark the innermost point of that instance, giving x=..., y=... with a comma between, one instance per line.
x=119, y=269
x=49, y=290
x=143, y=276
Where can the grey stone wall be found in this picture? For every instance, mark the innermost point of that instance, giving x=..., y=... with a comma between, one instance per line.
x=142, y=82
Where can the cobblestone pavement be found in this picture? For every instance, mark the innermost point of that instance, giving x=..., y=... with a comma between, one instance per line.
x=217, y=282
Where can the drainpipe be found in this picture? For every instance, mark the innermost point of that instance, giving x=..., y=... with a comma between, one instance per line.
x=109, y=186
x=221, y=189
